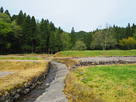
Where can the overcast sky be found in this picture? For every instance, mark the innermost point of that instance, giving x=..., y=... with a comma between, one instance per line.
x=82, y=14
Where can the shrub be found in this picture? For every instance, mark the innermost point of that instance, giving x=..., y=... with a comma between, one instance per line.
x=128, y=43
x=79, y=45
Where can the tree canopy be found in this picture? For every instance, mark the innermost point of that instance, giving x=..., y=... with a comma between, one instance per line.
x=22, y=33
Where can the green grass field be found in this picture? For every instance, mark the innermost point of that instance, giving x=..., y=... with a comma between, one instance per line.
x=115, y=83
x=93, y=53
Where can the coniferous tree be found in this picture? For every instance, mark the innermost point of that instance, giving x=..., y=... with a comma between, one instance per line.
x=52, y=43
x=72, y=30
x=26, y=34
x=33, y=34
x=1, y=10
x=133, y=29
x=21, y=34
x=7, y=12
x=59, y=45
x=50, y=32
x=66, y=41
x=73, y=38
x=20, y=18
x=44, y=35
x=128, y=31
x=14, y=17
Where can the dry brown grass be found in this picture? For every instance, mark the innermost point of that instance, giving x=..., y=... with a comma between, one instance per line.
x=33, y=54
x=24, y=72
x=28, y=55
x=25, y=56
x=68, y=62
x=114, y=83
x=77, y=91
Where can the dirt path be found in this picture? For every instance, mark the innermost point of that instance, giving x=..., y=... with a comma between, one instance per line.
x=52, y=88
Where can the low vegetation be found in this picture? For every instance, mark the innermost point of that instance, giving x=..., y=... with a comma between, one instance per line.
x=66, y=61
x=23, y=72
x=115, y=83
x=24, y=56
x=20, y=58
x=94, y=53
x=29, y=55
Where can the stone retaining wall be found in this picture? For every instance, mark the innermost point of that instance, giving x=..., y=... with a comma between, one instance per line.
x=104, y=61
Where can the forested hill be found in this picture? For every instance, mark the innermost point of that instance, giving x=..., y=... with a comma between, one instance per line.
x=22, y=33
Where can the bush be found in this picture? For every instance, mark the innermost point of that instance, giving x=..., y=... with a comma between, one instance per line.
x=79, y=45
x=128, y=43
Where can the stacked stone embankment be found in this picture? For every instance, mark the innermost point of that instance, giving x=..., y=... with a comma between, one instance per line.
x=105, y=60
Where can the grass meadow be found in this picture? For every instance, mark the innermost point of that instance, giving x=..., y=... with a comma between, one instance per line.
x=19, y=58
x=93, y=53
x=115, y=83
x=24, y=56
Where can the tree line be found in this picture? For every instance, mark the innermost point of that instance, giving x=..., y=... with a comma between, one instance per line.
x=22, y=33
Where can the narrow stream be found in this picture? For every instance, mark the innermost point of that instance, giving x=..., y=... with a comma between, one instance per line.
x=52, y=88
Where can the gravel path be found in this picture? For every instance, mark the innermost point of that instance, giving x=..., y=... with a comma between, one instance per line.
x=3, y=74
x=52, y=88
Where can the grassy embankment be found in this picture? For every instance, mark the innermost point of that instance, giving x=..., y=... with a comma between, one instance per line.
x=24, y=56
x=68, y=62
x=19, y=58
x=115, y=83
x=94, y=53
x=23, y=72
